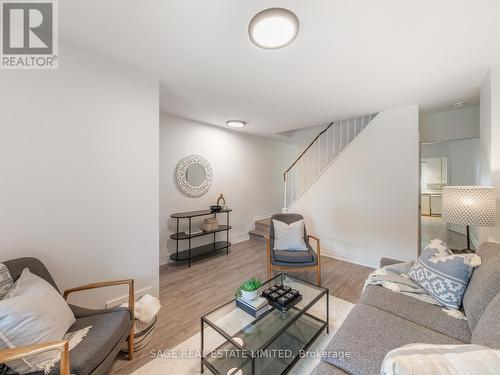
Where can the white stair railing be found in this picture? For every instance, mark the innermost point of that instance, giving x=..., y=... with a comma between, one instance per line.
x=320, y=154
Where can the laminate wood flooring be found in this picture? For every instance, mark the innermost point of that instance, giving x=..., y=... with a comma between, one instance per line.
x=187, y=293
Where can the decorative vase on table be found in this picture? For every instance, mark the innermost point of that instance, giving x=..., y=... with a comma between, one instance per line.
x=249, y=296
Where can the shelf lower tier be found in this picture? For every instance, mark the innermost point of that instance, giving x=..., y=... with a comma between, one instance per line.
x=201, y=251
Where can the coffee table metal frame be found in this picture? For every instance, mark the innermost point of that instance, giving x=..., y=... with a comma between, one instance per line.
x=301, y=312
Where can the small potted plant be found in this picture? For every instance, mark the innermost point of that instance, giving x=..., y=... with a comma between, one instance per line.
x=248, y=290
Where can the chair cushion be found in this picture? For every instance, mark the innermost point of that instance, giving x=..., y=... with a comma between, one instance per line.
x=368, y=334
x=484, y=284
x=293, y=256
x=416, y=311
x=487, y=330
x=107, y=330
x=83, y=312
x=442, y=274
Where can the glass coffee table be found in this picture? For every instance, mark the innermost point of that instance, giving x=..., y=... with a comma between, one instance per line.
x=270, y=344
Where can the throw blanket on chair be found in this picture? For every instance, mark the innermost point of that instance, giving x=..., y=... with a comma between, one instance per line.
x=395, y=278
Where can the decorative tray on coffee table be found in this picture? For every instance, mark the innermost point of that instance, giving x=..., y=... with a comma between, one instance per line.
x=281, y=296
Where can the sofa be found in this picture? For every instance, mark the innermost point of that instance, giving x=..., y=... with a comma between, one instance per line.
x=384, y=320
x=110, y=327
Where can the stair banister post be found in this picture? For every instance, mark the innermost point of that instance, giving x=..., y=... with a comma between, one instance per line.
x=284, y=199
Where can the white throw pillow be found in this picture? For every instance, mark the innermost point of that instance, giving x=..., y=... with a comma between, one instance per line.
x=32, y=312
x=429, y=359
x=289, y=237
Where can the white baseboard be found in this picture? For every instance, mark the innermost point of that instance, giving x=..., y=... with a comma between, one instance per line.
x=118, y=301
x=164, y=260
x=367, y=262
x=245, y=237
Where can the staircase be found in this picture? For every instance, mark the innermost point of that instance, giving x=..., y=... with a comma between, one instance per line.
x=319, y=155
x=261, y=231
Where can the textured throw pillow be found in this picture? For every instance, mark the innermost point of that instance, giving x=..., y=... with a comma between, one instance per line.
x=5, y=280
x=428, y=359
x=289, y=236
x=32, y=312
x=442, y=274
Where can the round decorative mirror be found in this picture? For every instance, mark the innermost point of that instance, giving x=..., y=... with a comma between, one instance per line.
x=194, y=175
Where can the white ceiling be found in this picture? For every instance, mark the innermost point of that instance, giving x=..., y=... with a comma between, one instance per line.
x=351, y=57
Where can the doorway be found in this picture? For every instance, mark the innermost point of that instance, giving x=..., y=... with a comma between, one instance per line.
x=447, y=163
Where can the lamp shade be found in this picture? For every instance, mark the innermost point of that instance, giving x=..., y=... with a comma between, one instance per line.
x=469, y=205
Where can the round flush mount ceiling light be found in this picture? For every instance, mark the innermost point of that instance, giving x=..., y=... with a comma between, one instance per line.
x=459, y=105
x=273, y=28
x=236, y=123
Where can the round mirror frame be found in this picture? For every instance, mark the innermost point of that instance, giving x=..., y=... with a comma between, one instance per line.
x=182, y=182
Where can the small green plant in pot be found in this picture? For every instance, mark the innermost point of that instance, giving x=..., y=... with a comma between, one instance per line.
x=248, y=290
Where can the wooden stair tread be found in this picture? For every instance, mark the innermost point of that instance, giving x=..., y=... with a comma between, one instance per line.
x=266, y=221
x=259, y=233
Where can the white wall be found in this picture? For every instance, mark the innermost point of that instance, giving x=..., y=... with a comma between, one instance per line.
x=365, y=206
x=247, y=169
x=448, y=125
x=302, y=138
x=79, y=165
x=490, y=144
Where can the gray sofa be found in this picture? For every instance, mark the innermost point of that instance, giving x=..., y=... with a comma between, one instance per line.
x=383, y=320
x=110, y=327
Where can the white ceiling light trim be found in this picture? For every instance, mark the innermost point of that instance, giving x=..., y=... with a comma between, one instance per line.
x=273, y=28
x=236, y=123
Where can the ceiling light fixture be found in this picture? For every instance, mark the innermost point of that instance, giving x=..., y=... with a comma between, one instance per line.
x=459, y=105
x=273, y=28
x=236, y=123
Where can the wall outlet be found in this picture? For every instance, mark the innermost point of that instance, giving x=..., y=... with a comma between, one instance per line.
x=118, y=301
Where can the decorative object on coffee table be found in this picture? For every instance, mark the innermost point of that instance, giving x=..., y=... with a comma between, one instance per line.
x=248, y=290
x=246, y=337
x=255, y=307
x=209, y=249
x=281, y=296
x=469, y=205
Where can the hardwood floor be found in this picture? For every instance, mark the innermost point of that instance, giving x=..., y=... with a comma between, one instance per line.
x=188, y=293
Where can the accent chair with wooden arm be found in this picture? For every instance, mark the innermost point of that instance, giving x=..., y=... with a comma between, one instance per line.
x=95, y=354
x=284, y=260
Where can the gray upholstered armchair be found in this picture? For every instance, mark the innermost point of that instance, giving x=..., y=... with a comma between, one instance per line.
x=110, y=328
x=283, y=260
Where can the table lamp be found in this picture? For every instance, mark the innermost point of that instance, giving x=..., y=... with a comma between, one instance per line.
x=469, y=205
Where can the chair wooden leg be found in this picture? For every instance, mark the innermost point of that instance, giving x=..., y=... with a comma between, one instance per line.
x=131, y=344
x=318, y=276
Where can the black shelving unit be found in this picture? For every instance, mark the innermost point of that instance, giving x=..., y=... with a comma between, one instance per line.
x=206, y=250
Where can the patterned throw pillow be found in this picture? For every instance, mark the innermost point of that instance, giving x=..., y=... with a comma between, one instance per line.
x=442, y=274
x=6, y=281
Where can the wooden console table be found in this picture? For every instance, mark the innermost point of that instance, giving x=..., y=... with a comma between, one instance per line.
x=209, y=249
